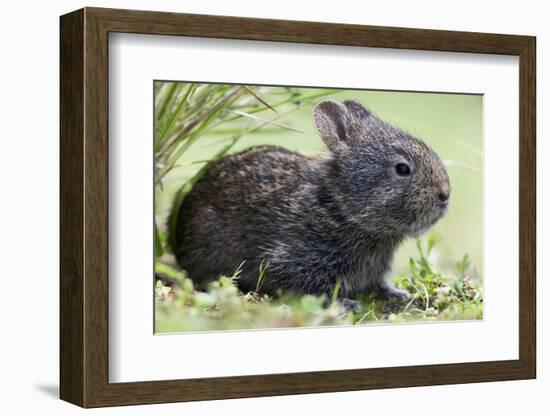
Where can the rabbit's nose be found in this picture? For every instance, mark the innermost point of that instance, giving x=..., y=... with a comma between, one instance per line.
x=443, y=194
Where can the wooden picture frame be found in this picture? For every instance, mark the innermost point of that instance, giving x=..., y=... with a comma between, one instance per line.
x=84, y=207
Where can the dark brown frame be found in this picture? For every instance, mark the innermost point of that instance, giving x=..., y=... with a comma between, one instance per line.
x=84, y=208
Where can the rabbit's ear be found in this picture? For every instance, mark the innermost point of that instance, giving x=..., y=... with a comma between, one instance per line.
x=330, y=118
x=357, y=110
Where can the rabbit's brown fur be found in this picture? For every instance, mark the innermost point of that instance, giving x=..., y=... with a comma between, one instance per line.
x=314, y=221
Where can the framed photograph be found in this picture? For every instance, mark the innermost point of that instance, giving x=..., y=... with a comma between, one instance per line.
x=255, y=207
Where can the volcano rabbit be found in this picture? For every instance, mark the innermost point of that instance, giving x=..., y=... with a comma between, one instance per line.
x=314, y=221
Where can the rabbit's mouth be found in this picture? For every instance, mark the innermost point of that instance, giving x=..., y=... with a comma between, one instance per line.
x=442, y=206
x=423, y=224
x=439, y=211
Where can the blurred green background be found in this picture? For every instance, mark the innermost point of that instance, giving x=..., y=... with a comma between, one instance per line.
x=450, y=123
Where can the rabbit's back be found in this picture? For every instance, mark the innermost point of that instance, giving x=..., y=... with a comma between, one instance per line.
x=240, y=205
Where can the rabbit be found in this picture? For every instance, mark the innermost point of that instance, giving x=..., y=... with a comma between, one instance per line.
x=314, y=223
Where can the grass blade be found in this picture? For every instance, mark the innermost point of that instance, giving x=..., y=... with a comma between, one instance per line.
x=251, y=92
x=273, y=123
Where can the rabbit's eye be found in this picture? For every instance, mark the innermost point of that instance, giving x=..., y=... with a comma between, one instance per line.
x=402, y=169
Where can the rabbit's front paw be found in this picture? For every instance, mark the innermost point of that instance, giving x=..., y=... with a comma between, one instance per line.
x=351, y=305
x=388, y=291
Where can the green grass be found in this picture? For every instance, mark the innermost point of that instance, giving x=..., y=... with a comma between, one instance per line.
x=435, y=296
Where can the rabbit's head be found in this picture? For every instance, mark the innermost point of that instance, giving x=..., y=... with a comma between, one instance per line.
x=383, y=179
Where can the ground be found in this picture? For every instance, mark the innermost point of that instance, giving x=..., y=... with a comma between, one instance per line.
x=435, y=296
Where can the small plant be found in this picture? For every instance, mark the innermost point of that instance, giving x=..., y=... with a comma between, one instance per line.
x=261, y=274
x=435, y=295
